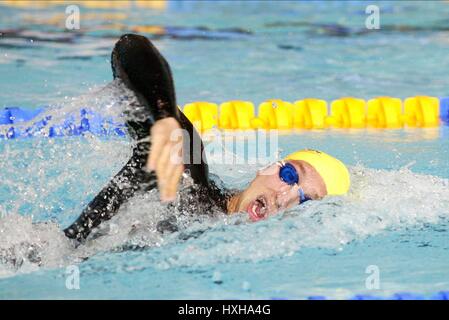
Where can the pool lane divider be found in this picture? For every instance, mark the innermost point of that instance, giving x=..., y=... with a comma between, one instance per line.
x=16, y=122
x=311, y=113
x=275, y=114
x=441, y=295
x=92, y=4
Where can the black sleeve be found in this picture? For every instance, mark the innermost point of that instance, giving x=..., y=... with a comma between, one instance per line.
x=130, y=179
x=137, y=62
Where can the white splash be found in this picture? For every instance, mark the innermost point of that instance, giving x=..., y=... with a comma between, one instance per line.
x=379, y=201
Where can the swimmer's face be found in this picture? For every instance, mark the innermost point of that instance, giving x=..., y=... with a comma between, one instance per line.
x=267, y=194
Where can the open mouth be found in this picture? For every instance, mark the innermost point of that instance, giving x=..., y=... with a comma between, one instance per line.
x=258, y=209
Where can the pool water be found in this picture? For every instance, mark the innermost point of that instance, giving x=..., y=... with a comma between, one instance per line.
x=395, y=218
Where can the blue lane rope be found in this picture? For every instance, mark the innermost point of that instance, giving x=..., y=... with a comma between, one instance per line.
x=441, y=295
x=444, y=109
x=13, y=118
x=88, y=121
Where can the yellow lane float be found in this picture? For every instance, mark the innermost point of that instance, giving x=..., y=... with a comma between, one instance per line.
x=310, y=113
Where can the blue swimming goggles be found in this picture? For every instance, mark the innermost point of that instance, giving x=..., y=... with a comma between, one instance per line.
x=288, y=174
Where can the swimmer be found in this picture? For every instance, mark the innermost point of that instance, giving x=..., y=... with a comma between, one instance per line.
x=301, y=176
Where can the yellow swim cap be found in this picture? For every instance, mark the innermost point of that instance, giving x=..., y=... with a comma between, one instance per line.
x=333, y=171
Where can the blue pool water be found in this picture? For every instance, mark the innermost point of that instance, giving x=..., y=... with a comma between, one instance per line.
x=395, y=218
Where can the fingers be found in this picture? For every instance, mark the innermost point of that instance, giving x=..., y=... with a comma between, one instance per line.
x=160, y=168
x=165, y=156
x=157, y=144
x=168, y=171
x=171, y=167
x=174, y=160
x=172, y=185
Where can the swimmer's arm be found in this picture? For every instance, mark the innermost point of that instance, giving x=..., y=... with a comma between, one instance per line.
x=123, y=186
x=137, y=62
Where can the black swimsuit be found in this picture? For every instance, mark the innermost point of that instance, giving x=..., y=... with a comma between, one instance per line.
x=137, y=62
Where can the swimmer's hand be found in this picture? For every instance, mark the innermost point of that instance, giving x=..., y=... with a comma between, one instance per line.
x=166, y=156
